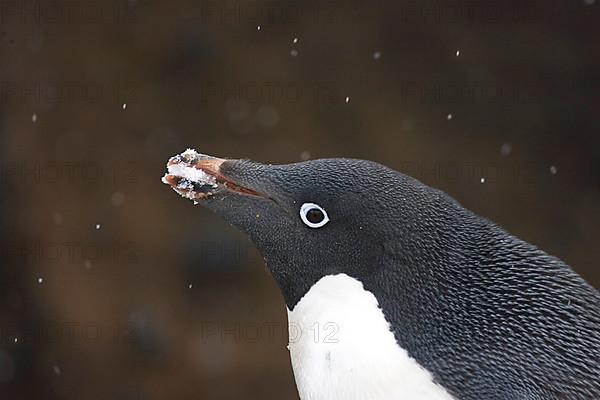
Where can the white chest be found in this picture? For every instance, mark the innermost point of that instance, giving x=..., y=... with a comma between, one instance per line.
x=342, y=347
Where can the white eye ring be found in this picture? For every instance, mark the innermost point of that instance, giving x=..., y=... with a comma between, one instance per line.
x=306, y=208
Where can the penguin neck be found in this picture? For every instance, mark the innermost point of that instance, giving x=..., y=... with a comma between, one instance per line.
x=342, y=347
x=292, y=288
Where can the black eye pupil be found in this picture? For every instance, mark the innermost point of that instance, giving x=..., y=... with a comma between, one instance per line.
x=314, y=215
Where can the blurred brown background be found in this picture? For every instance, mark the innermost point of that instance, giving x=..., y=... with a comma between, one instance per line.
x=113, y=287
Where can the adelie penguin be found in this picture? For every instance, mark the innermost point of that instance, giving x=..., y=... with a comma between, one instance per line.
x=416, y=297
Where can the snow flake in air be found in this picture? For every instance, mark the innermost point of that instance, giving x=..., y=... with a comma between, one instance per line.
x=506, y=149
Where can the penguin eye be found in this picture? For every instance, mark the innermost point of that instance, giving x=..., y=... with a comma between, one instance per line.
x=313, y=215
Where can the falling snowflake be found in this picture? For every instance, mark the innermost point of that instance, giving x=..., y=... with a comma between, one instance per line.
x=506, y=149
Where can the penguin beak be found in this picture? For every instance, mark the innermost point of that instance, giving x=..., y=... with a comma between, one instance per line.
x=198, y=176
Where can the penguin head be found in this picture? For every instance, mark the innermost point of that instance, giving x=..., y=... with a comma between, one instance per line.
x=309, y=219
x=465, y=299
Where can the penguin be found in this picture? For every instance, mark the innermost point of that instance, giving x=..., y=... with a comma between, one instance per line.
x=395, y=291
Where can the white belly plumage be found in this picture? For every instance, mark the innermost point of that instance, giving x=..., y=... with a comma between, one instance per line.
x=342, y=347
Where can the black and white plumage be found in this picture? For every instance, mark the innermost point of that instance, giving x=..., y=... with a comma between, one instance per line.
x=430, y=300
